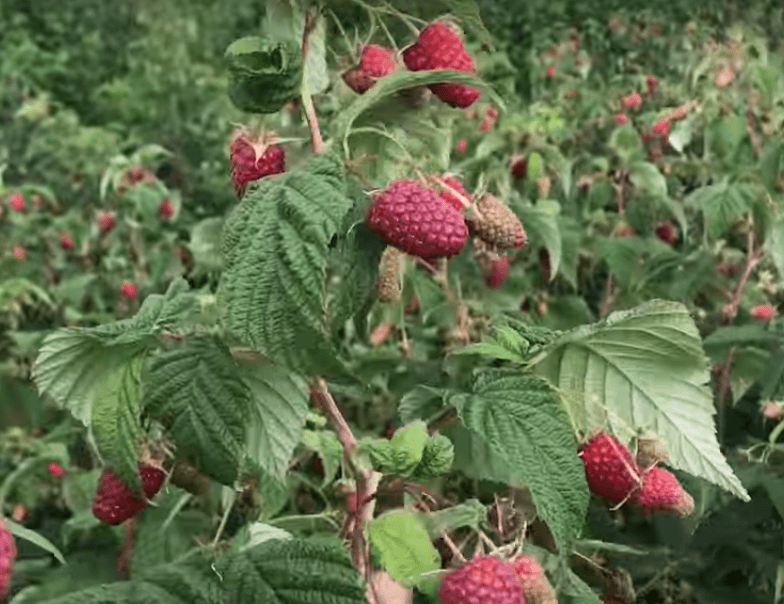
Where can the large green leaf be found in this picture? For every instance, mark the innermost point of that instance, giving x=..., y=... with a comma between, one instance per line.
x=722, y=205
x=275, y=247
x=196, y=390
x=522, y=421
x=294, y=571
x=643, y=368
x=404, y=546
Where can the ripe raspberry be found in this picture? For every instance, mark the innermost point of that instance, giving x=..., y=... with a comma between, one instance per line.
x=377, y=61
x=651, y=450
x=388, y=286
x=536, y=587
x=105, y=221
x=651, y=83
x=166, y=209
x=632, y=100
x=135, y=175
x=417, y=221
x=16, y=202
x=443, y=186
x=519, y=166
x=253, y=156
x=114, y=502
x=667, y=232
x=621, y=119
x=763, y=312
x=485, y=126
x=438, y=47
x=66, y=242
x=550, y=71
x=610, y=469
x=484, y=580
x=495, y=268
x=498, y=225
x=661, y=128
x=7, y=555
x=20, y=253
x=128, y=289
x=55, y=469
x=461, y=145
x=661, y=491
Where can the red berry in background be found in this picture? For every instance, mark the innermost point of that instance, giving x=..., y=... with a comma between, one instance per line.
x=763, y=312
x=632, y=100
x=16, y=202
x=7, y=556
x=129, y=289
x=105, y=221
x=497, y=273
x=417, y=221
x=621, y=119
x=661, y=492
x=66, y=242
x=662, y=127
x=461, y=145
x=439, y=47
x=377, y=61
x=166, y=209
x=484, y=580
x=114, y=502
x=519, y=166
x=485, y=126
x=550, y=71
x=254, y=156
x=55, y=469
x=651, y=83
x=20, y=253
x=667, y=232
x=572, y=93
x=610, y=468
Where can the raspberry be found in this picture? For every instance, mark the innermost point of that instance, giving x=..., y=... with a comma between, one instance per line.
x=772, y=410
x=388, y=286
x=128, y=289
x=621, y=119
x=114, y=502
x=135, y=175
x=438, y=47
x=55, y=469
x=66, y=242
x=661, y=128
x=166, y=209
x=443, y=186
x=763, y=312
x=623, y=230
x=20, y=253
x=519, y=166
x=610, y=469
x=661, y=492
x=461, y=145
x=495, y=268
x=417, y=221
x=7, y=555
x=536, y=587
x=497, y=224
x=105, y=221
x=253, y=156
x=651, y=83
x=16, y=202
x=667, y=232
x=724, y=77
x=357, y=80
x=632, y=100
x=550, y=71
x=377, y=61
x=484, y=580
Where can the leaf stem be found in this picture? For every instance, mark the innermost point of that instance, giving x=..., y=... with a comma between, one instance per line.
x=307, y=99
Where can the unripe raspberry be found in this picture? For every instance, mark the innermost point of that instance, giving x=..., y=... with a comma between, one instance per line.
x=66, y=242
x=772, y=410
x=536, y=588
x=543, y=186
x=105, y=221
x=623, y=230
x=16, y=202
x=610, y=469
x=497, y=224
x=763, y=312
x=7, y=555
x=621, y=119
x=20, y=253
x=388, y=285
x=661, y=492
x=484, y=580
x=724, y=77
x=632, y=101
x=128, y=289
x=166, y=209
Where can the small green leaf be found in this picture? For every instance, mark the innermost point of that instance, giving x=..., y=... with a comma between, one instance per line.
x=408, y=445
x=541, y=224
x=626, y=143
x=437, y=458
x=646, y=177
x=471, y=513
x=21, y=532
x=404, y=546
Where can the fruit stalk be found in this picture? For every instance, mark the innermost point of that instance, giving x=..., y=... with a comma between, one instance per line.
x=307, y=99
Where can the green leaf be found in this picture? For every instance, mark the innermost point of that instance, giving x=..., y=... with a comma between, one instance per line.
x=21, y=532
x=774, y=245
x=471, y=513
x=626, y=143
x=263, y=75
x=205, y=244
x=403, y=545
x=771, y=162
x=643, y=368
x=646, y=177
x=116, y=420
x=195, y=389
x=437, y=458
x=521, y=419
x=541, y=224
x=279, y=405
x=327, y=446
x=467, y=13
x=722, y=206
x=275, y=251
x=408, y=445
x=294, y=571
x=503, y=343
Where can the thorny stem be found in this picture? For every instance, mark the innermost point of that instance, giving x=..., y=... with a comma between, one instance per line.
x=453, y=548
x=307, y=99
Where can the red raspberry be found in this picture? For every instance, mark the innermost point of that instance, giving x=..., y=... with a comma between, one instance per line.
x=55, y=469
x=662, y=127
x=572, y=93
x=632, y=100
x=128, y=289
x=66, y=242
x=661, y=492
x=651, y=83
x=550, y=71
x=484, y=580
x=610, y=469
x=621, y=119
x=253, y=157
x=20, y=253
x=438, y=47
x=763, y=312
x=519, y=166
x=377, y=61
x=166, y=209
x=448, y=196
x=461, y=146
x=7, y=555
x=667, y=232
x=416, y=221
x=536, y=587
x=105, y=221
x=497, y=273
x=485, y=126
x=16, y=202
x=114, y=502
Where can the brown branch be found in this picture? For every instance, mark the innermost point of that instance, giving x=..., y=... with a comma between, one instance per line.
x=307, y=101
x=753, y=257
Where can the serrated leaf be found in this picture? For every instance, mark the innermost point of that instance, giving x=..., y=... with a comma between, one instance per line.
x=522, y=421
x=722, y=206
x=643, y=368
x=116, y=420
x=403, y=545
x=327, y=447
x=471, y=513
x=421, y=402
x=408, y=445
x=504, y=343
x=275, y=251
x=279, y=405
x=21, y=532
x=196, y=391
x=295, y=571
x=437, y=458
x=259, y=532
